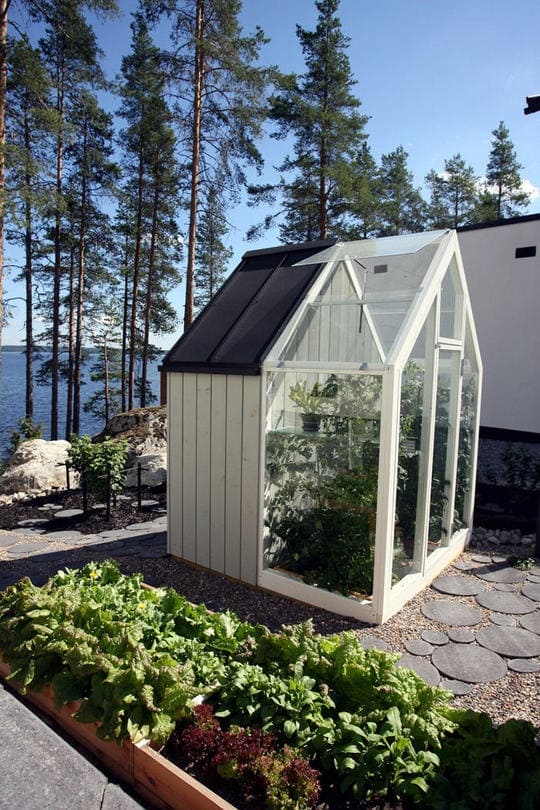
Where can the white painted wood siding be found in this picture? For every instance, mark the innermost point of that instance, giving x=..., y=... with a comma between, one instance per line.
x=213, y=471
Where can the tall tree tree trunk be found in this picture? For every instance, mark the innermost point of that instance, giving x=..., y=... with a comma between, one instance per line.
x=198, y=85
x=123, y=371
x=4, y=7
x=28, y=279
x=71, y=338
x=148, y=301
x=55, y=360
x=135, y=287
x=80, y=293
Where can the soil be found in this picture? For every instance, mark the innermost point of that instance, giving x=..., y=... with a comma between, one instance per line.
x=94, y=520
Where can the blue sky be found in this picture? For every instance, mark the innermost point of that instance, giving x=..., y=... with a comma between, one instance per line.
x=435, y=77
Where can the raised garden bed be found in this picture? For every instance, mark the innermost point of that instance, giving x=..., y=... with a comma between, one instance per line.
x=137, y=659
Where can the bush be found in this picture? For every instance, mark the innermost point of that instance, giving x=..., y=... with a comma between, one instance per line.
x=99, y=464
x=27, y=430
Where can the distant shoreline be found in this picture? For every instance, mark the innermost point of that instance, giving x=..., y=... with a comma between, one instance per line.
x=47, y=349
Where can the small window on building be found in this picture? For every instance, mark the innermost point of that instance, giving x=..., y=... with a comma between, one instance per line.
x=526, y=252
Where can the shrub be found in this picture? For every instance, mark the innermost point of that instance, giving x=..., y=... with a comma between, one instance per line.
x=99, y=464
x=27, y=429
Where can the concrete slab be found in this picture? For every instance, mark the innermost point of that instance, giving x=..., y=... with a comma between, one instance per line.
x=531, y=622
x=532, y=591
x=374, y=642
x=502, y=602
x=436, y=637
x=458, y=586
x=422, y=668
x=454, y=613
x=114, y=798
x=513, y=642
x=417, y=646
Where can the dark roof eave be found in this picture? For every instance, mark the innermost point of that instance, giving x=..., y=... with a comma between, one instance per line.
x=241, y=369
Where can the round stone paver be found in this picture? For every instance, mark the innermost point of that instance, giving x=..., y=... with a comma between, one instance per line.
x=502, y=619
x=458, y=586
x=374, y=642
x=460, y=635
x=502, y=602
x=469, y=662
x=505, y=586
x=8, y=540
x=33, y=523
x=531, y=622
x=422, y=667
x=532, y=591
x=69, y=513
x=498, y=573
x=416, y=646
x=436, y=637
x=533, y=578
x=64, y=535
x=448, y=612
x=457, y=687
x=523, y=665
x=482, y=558
x=464, y=565
x=22, y=549
x=513, y=642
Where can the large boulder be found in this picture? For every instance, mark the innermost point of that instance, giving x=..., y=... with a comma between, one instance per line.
x=36, y=465
x=145, y=430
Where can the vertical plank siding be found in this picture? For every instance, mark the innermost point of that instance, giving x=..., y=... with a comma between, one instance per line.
x=214, y=424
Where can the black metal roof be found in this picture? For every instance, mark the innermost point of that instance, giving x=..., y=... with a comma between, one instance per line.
x=233, y=332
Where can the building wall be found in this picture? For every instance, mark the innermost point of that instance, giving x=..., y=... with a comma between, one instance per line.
x=213, y=480
x=505, y=296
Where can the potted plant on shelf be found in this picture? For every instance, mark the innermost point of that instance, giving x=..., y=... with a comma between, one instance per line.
x=310, y=401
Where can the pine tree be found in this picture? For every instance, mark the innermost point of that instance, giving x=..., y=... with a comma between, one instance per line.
x=27, y=175
x=454, y=194
x=149, y=204
x=502, y=196
x=364, y=193
x=401, y=204
x=212, y=254
x=71, y=54
x=320, y=112
x=221, y=103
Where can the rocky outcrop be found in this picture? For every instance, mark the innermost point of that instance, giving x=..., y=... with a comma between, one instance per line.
x=146, y=432
x=39, y=466
x=36, y=466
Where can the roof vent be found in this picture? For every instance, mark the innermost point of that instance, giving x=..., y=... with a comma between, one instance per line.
x=380, y=268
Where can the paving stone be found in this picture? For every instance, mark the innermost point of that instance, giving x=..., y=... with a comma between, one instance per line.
x=460, y=635
x=469, y=662
x=513, y=642
x=436, y=637
x=145, y=504
x=481, y=558
x=498, y=573
x=33, y=522
x=416, y=646
x=457, y=687
x=422, y=668
x=502, y=602
x=532, y=591
x=533, y=577
x=64, y=535
x=505, y=586
x=502, y=619
x=8, y=540
x=523, y=665
x=464, y=565
x=148, y=525
x=26, y=548
x=496, y=558
x=374, y=642
x=458, y=586
x=448, y=612
x=64, y=514
x=531, y=622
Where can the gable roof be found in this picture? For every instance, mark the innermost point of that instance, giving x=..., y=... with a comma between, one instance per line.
x=232, y=333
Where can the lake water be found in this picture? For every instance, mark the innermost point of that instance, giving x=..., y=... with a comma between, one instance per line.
x=12, y=398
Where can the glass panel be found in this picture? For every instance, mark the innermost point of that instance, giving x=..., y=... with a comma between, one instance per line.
x=451, y=303
x=322, y=457
x=335, y=327
x=467, y=426
x=407, y=537
x=447, y=381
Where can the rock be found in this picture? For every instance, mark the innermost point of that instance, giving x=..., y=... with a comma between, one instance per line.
x=145, y=430
x=153, y=470
x=36, y=465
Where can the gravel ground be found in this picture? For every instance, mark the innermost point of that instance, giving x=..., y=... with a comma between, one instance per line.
x=516, y=695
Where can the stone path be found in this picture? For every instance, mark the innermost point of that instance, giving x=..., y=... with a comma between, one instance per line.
x=459, y=656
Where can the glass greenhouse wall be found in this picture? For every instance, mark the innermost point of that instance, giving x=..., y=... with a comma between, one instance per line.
x=371, y=400
x=323, y=422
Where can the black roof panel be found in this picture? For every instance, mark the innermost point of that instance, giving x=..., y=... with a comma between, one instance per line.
x=248, y=313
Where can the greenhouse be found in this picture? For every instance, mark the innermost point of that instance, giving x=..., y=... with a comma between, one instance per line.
x=323, y=422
